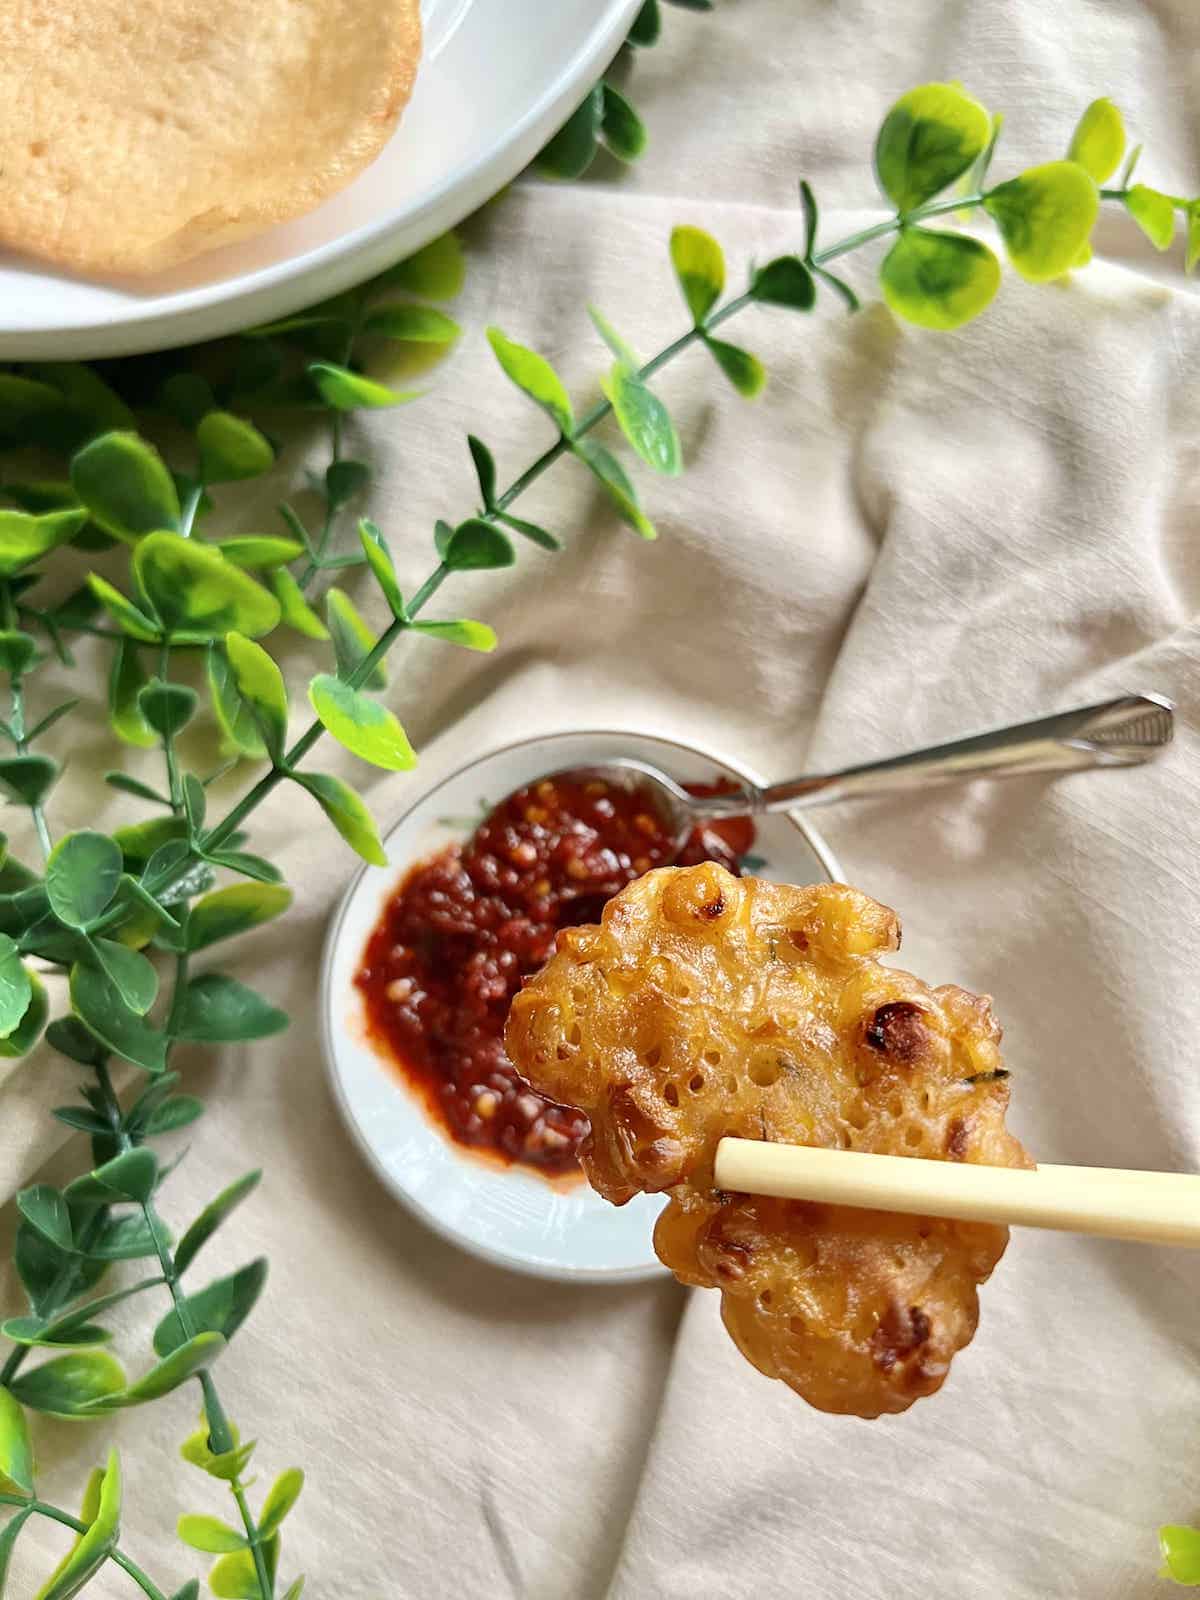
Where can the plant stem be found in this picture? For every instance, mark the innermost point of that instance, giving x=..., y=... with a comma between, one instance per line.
x=39, y=1508
x=219, y=1432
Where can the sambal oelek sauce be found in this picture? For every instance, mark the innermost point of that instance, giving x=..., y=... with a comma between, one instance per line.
x=466, y=926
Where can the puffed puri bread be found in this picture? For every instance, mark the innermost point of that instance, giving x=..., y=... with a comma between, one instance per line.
x=136, y=134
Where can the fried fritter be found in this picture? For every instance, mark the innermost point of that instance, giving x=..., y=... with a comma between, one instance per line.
x=707, y=1005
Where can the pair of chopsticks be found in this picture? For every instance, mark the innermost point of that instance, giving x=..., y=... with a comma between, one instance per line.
x=1154, y=1207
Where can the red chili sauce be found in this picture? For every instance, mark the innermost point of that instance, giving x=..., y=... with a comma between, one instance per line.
x=466, y=927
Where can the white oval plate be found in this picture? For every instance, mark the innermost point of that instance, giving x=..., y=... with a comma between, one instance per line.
x=497, y=79
x=509, y=1217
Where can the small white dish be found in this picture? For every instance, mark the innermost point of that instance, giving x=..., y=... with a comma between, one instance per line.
x=497, y=80
x=510, y=1217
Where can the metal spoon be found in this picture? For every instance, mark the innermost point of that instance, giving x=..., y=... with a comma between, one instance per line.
x=1117, y=733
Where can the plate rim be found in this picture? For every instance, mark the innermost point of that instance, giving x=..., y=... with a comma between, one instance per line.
x=280, y=288
x=825, y=858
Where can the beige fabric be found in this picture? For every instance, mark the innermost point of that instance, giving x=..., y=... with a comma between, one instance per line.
x=910, y=536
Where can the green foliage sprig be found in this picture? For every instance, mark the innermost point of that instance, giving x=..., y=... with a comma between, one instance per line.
x=607, y=120
x=124, y=917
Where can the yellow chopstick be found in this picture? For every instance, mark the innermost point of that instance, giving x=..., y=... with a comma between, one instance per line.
x=1154, y=1207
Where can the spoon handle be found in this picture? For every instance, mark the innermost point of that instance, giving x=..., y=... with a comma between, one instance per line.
x=1118, y=733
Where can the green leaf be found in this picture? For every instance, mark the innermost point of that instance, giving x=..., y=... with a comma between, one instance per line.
x=1045, y=217
x=260, y=684
x=178, y=1112
x=9, y=1535
x=1098, y=142
x=1154, y=214
x=134, y=979
x=220, y=1308
x=786, y=281
x=438, y=271
x=18, y=651
x=931, y=136
x=379, y=559
x=190, y=1591
x=1193, y=235
x=442, y=535
x=573, y=148
x=28, y=1031
x=644, y=420
x=97, y=1001
x=127, y=1239
x=284, y=1493
x=16, y=987
x=50, y=719
x=939, y=280
x=530, y=530
x=252, y=550
x=469, y=635
x=102, y=1512
x=188, y=397
x=25, y=538
x=125, y=486
x=35, y=1336
x=234, y=716
x=22, y=909
x=218, y=1010
x=476, y=545
x=343, y=390
x=1181, y=1553
x=194, y=803
x=26, y=779
x=80, y=1118
x=296, y=611
x=233, y=910
x=745, y=372
x=485, y=470
x=16, y=1451
x=209, y=1534
x=130, y=1176
x=125, y=682
x=250, y=866
x=234, y=1577
x=68, y=1385
x=183, y=1362
x=362, y=725
x=211, y=1218
x=129, y=618
x=699, y=264
x=619, y=347
x=295, y=1590
x=231, y=449
x=647, y=25
x=70, y=1038
x=534, y=376
x=197, y=593
x=139, y=840
x=617, y=484
x=347, y=812
x=91, y=399
x=414, y=324
x=353, y=641
x=229, y=1464
x=343, y=480
x=622, y=129
x=167, y=707
x=44, y=1208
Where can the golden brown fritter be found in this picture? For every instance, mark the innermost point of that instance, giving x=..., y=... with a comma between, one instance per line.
x=707, y=1005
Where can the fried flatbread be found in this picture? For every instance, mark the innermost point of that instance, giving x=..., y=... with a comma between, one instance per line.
x=135, y=134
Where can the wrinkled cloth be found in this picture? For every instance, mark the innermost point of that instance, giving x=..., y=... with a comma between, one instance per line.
x=908, y=537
